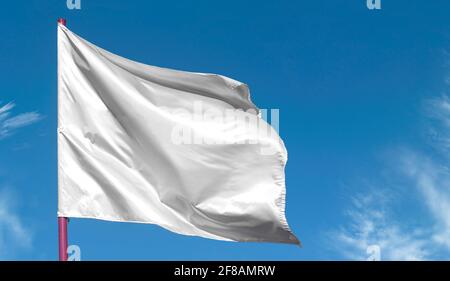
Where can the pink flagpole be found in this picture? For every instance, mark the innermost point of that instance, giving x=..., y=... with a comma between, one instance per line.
x=62, y=237
x=62, y=21
x=62, y=221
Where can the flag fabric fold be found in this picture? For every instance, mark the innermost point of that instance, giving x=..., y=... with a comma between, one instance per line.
x=186, y=151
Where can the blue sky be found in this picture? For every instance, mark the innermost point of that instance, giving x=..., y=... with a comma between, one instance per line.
x=364, y=112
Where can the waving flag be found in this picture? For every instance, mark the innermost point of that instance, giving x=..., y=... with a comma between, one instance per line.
x=186, y=151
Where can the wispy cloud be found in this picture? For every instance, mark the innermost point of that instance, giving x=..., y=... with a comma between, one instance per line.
x=370, y=224
x=10, y=123
x=13, y=233
x=438, y=113
x=431, y=175
x=426, y=176
x=433, y=183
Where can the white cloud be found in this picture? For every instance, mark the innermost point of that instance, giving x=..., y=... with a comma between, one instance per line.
x=370, y=225
x=432, y=175
x=371, y=220
x=8, y=123
x=13, y=233
x=438, y=112
x=14, y=236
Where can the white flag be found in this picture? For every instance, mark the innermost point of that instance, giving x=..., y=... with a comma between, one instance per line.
x=186, y=151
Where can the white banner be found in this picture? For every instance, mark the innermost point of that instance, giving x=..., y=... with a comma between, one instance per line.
x=186, y=151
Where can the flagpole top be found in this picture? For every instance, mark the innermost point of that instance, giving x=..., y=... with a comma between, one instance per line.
x=62, y=21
